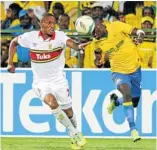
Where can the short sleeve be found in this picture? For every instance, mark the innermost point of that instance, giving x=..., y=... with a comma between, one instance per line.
x=64, y=38
x=23, y=40
x=123, y=27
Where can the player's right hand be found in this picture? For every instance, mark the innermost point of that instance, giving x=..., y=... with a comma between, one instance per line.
x=137, y=41
x=98, y=63
x=11, y=68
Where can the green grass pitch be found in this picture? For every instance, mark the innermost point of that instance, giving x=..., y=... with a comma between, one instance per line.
x=64, y=144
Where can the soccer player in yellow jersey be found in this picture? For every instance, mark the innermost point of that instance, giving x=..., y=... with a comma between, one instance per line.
x=125, y=66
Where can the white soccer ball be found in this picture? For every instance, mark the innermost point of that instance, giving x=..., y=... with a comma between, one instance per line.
x=85, y=25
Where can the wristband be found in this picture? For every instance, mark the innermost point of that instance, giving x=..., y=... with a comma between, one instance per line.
x=140, y=31
x=79, y=46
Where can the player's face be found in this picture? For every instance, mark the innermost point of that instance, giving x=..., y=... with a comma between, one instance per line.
x=97, y=12
x=147, y=12
x=146, y=25
x=48, y=25
x=25, y=21
x=122, y=18
x=9, y=13
x=100, y=30
x=63, y=22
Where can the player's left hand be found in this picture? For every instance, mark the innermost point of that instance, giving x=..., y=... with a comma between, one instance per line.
x=83, y=45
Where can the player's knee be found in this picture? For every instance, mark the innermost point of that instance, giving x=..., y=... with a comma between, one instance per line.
x=127, y=97
x=51, y=101
x=135, y=101
x=69, y=112
x=126, y=92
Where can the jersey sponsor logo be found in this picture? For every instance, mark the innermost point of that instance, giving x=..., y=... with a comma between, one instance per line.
x=41, y=56
x=116, y=48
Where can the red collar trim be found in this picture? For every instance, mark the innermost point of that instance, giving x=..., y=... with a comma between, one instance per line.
x=52, y=37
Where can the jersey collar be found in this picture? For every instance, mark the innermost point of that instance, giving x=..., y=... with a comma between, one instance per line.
x=52, y=37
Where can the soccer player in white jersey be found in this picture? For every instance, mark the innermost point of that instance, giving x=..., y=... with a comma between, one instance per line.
x=47, y=61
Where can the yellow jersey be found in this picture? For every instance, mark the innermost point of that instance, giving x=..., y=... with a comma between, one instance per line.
x=122, y=52
x=89, y=54
x=71, y=61
x=154, y=59
x=29, y=4
x=67, y=5
x=3, y=13
x=146, y=51
x=15, y=23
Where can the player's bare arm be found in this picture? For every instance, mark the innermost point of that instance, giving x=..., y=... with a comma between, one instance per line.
x=70, y=43
x=98, y=58
x=12, y=50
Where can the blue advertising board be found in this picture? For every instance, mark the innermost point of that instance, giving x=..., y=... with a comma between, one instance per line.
x=23, y=114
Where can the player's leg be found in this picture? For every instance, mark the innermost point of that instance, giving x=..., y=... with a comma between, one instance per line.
x=114, y=102
x=63, y=118
x=123, y=84
x=129, y=110
x=71, y=116
x=60, y=115
x=135, y=90
x=136, y=93
x=77, y=139
x=135, y=101
x=114, y=99
x=136, y=87
x=65, y=103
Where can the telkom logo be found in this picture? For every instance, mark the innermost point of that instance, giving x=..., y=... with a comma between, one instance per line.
x=82, y=110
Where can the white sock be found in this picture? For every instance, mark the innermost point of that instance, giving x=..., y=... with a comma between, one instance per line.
x=64, y=120
x=73, y=121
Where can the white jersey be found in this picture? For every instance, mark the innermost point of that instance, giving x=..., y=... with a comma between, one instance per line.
x=47, y=56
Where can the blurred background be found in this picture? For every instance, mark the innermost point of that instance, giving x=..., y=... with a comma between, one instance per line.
x=18, y=17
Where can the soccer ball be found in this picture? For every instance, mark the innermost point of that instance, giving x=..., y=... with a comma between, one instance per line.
x=85, y=25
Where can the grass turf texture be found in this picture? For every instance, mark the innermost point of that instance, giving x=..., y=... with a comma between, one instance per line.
x=64, y=144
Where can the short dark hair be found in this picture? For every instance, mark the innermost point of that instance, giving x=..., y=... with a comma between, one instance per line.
x=46, y=15
x=58, y=6
x=85, y=9
x=15, y=8
x=119, y=13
